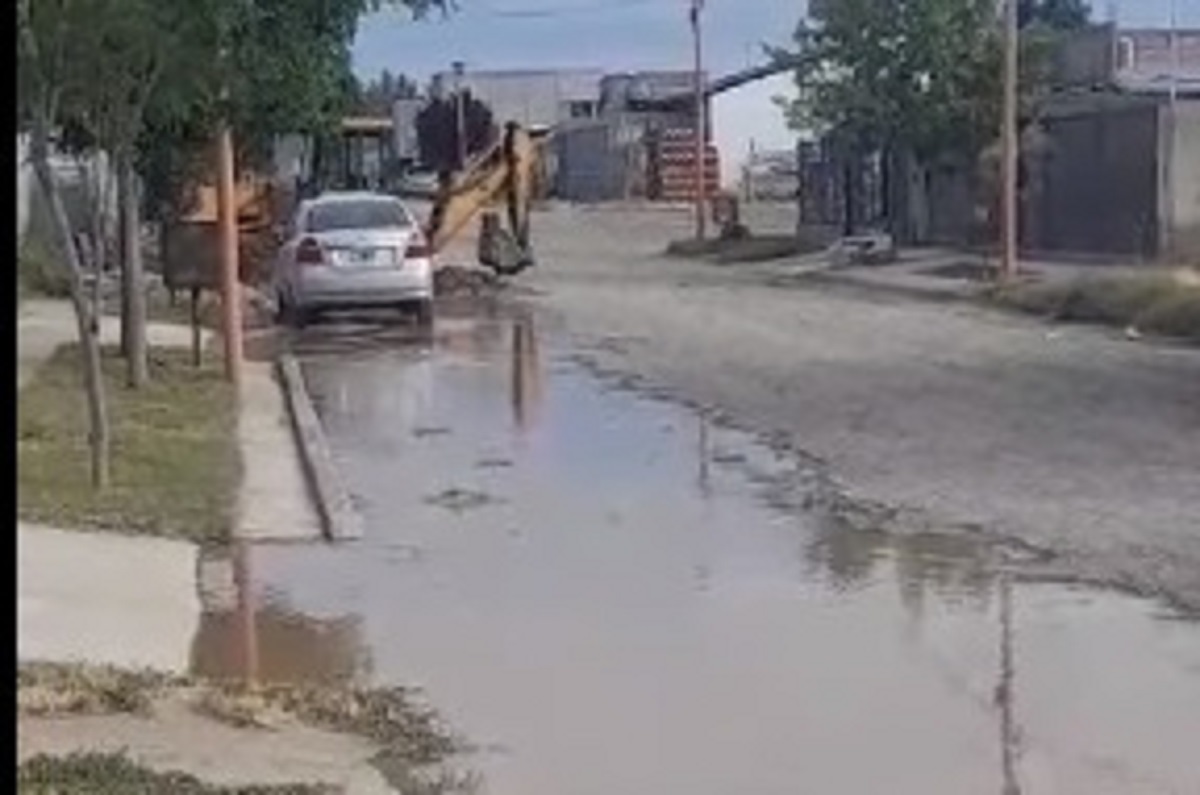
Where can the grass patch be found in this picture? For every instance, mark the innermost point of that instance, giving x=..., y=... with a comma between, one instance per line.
x=115, y=774
x=175, y=465
x=39, y=273
x=743, y=250
x=1163, y=304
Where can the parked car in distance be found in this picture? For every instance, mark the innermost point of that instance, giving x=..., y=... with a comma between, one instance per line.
x=352, y=250
x=419, y=185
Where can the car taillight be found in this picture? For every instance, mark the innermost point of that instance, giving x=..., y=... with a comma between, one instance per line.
x=309, y=252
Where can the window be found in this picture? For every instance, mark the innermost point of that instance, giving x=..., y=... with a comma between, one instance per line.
x=585, y=109
x=356, y=214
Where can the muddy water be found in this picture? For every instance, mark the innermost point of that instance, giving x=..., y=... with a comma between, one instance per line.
x=612, y=594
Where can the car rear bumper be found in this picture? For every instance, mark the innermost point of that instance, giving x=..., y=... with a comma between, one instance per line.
x=322, y=287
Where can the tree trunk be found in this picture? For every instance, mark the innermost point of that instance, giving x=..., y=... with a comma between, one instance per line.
x=133, y=304
x=87, y=322
x=849, y=196
x=123, y=263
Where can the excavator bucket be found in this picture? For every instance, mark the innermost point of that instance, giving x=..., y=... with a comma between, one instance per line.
x=499, y=249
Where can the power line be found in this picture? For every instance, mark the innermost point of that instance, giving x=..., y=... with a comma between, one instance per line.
x=554, y=13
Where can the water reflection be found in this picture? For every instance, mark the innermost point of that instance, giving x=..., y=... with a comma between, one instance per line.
x=955, y=565
x=1006, y=693
x=822, y=652
x=526, y=373
x=703, y=455
x=246, y=637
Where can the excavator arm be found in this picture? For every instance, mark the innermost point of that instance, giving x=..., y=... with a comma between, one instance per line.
x=505, y=174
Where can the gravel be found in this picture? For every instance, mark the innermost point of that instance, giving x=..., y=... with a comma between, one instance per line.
x=1070, y=439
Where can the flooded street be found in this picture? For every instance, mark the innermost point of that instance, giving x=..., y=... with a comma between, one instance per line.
x=610, y=593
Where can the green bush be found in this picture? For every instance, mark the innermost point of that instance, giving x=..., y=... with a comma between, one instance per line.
x=41, y=272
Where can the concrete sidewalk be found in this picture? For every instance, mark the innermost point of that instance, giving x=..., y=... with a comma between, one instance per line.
x=105, y=598
x=133, y=601
x=44, y=325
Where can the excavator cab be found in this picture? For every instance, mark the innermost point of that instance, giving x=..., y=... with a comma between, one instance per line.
x=361, y=156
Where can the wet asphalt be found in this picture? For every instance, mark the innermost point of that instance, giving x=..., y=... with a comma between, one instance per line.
x=609, y=591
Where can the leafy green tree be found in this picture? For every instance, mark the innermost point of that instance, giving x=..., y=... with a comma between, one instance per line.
x=918, y=78
x=271, y=67
x=147, y=81
x=375, y=97
x=1059, y=15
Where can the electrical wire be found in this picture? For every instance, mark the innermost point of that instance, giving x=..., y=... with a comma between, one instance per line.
x=555, y=13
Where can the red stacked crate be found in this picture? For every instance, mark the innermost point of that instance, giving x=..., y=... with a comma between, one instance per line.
x=677, y=167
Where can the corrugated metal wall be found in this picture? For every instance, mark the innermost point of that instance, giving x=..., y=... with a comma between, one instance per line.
x=591, y=165
x=1095, y=190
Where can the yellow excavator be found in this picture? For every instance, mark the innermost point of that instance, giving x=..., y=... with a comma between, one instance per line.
x=508, y=175
x=501, y=180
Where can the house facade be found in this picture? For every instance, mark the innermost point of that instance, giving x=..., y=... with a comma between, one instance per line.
x=1110, y=168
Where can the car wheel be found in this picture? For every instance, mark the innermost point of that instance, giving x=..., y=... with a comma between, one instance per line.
x=424, y=313
x=282, y=310
x=294, y=316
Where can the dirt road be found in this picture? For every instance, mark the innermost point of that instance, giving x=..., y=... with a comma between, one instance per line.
x=1070, y=439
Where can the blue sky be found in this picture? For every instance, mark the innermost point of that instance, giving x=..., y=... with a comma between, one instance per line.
x=627, y=35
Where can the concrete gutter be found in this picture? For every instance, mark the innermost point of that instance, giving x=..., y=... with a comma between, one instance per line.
x=339, y=519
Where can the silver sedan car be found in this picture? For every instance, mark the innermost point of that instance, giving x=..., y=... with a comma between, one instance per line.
x=355, y=250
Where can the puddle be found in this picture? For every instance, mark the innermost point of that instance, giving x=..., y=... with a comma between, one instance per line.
x=651, y=602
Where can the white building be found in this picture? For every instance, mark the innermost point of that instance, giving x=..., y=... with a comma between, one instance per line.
x=532, y=98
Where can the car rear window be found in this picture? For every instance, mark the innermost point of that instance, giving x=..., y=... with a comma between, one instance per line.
x=365, y=214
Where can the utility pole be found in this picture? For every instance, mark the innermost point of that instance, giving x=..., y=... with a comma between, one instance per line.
x=231, y=293
x=701, y=120
x=1009, y=146
x=460, y=114
x=1176, y=65
x=1172, y=130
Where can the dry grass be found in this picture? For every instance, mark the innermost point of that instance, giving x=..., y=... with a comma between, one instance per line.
x=1162, y=304
x=57, y=690
x=387, y=716
x=411, y=742
x=114, y=774
x=175, y=463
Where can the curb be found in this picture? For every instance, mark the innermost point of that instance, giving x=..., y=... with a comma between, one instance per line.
x=339, y=519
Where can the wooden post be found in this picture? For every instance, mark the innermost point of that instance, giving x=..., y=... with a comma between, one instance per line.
x=231, y=292
x=195, y=312
x=246, y=612
x=701, y=121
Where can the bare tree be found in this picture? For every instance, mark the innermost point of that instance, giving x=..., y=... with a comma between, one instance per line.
x=41, y=41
